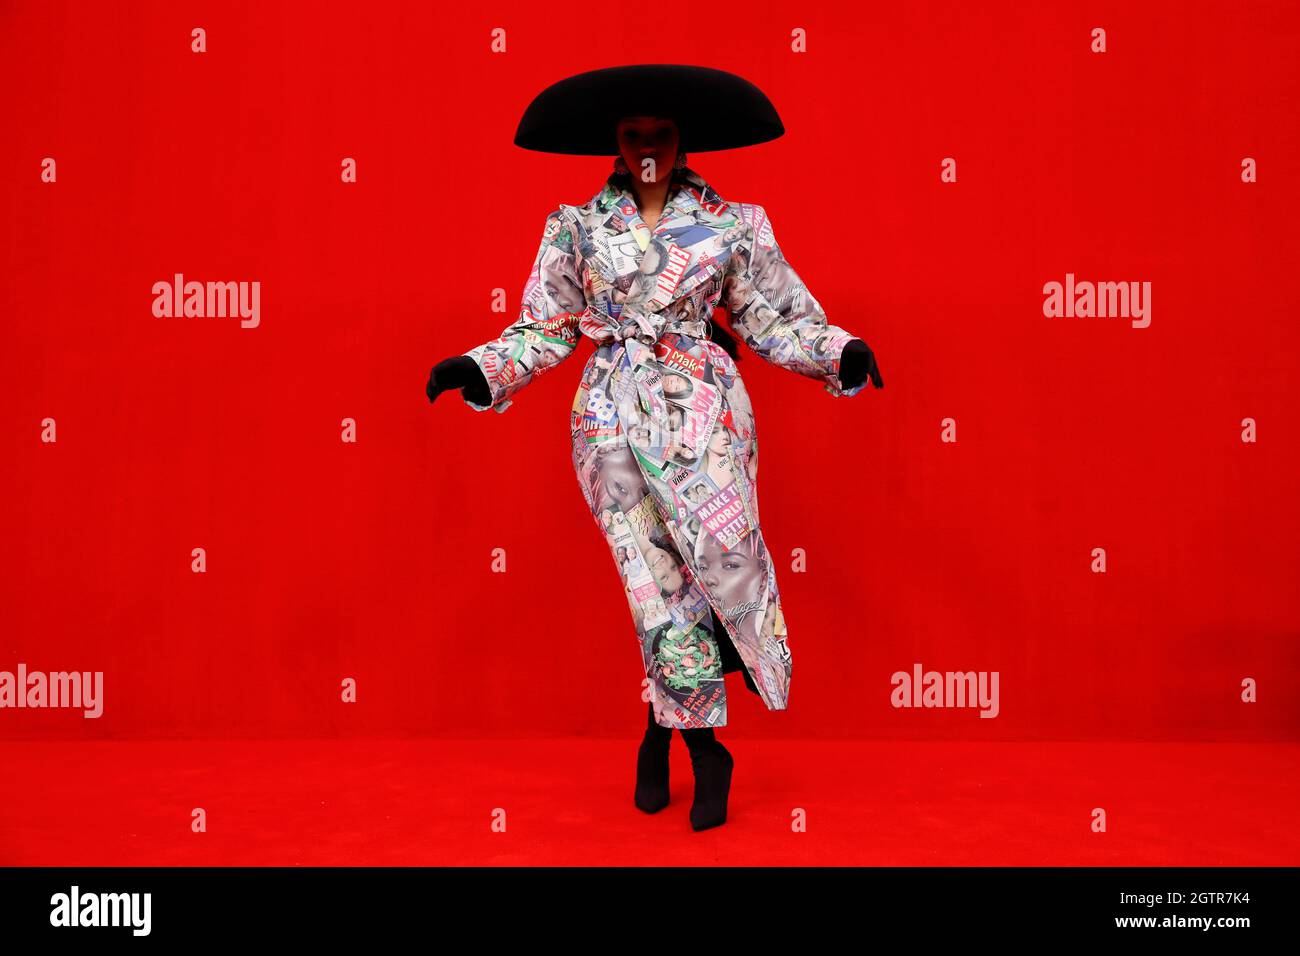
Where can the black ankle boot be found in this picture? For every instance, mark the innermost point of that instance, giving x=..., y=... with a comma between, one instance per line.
x=712, y=764
x=652, y=767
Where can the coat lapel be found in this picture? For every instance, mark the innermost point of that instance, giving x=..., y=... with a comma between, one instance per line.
x=655, y=267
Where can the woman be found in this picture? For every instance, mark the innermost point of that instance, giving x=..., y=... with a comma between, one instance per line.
x=662, y=431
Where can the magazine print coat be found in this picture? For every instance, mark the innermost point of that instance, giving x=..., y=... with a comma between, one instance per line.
x=664, y=445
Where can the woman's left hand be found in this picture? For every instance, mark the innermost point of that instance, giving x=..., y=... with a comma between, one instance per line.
x=857, y=363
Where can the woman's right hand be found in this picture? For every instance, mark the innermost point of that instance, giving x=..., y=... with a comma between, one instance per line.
x=459, y=371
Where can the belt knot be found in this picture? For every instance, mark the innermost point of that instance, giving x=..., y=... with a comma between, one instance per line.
x=634, y=324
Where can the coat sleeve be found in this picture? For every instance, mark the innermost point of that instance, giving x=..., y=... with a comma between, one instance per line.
x=546, y=332
x=769, y=307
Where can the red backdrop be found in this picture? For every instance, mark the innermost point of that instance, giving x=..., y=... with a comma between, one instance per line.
x=372, y=560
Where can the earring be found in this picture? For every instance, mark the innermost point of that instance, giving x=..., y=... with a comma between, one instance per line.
x=680, y=163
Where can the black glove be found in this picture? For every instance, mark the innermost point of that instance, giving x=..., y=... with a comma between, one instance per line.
x=459, y=371
x=857, y=363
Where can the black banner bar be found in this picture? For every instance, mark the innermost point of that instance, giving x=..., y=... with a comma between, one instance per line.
x=1168, y=905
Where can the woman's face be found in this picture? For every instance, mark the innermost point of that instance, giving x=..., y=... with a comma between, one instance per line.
x=681, y=454
x=674, y=421
x=720, y=441
x=622, y=481
x=735, y=576
x=566, y=295
x=665, y=570
x=675, y=386
x=653, y=137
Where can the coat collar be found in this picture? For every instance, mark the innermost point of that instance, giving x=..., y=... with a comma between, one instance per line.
x=687, y=190
x=687, y=233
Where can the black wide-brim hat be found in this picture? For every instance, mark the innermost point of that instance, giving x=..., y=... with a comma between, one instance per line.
x=713, y=109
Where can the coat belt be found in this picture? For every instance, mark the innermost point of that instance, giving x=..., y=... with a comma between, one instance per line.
x=638, y=332
x=634, y=323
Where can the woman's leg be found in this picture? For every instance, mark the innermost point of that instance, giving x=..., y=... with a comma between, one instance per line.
x=712, y=764
x=652, y=766
x=710, y=760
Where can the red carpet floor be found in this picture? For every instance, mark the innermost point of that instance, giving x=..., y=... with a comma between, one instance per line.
x=569, y=802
